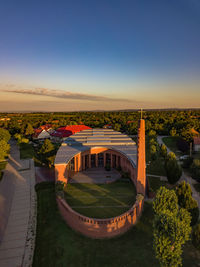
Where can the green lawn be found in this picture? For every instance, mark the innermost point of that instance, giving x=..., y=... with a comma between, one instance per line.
x=171, y=143
x=57, y=245
x=156, y=166
x=101, y=200
x=26, y=151
x=2, y=167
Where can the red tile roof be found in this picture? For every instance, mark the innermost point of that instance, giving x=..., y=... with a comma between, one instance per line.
x=40, y=129
x=68, y=130
x=196, y=140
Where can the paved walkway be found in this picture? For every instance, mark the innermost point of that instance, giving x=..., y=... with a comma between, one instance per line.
x=44, y=174
x=96, y=176
x=184, y=176
x=16, y=211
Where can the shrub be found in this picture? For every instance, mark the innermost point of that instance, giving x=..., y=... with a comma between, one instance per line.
x=25, y=140
x=165, y=200
x=171, y=156
x=163, y=151
x=171, y=228
x=186, y=201
x=196, y=236
x=47, y=147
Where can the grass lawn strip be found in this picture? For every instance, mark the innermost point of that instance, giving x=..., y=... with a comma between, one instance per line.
x=57, y=245
x=88, y=202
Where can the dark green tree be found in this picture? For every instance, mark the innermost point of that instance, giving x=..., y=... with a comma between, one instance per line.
x=29, y=130
x=173, y=171
x=186, y=201
x=47, y=147
x=165, y=200
x=171, y=228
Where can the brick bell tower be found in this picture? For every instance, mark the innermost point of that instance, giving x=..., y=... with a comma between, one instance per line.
x=141, y=161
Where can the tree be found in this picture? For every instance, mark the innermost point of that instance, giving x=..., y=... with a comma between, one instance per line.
x=4, y=135
x=173, y=171
x=171, y=228
x=171, y=155
x=29, y=130
x=152, y=133
x=186, y=201
x=4, y=149
x=165, y=200
x=47, y=147
x=163, y=151
x=173, y=132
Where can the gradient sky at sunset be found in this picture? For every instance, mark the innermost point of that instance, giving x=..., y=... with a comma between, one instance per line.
x=102, y=54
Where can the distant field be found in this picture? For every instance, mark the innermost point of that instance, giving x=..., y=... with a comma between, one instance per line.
x=101, y=200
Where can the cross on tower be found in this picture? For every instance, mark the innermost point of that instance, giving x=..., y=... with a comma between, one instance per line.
x=141, y=110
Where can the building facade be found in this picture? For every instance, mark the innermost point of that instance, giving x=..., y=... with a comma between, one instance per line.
x=102, y=148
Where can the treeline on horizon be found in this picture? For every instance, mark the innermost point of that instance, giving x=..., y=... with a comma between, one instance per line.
x=164, y=122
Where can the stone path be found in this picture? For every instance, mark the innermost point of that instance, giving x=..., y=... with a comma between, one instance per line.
x=162, y=178
x=17, y=202
x=184, y=176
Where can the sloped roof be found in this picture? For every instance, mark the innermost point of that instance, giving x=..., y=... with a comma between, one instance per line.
x=106, y=138
x=69, y=130
x=196, y=140
x=40, y=129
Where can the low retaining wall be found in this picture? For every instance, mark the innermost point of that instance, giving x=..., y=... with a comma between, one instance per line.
x=100, y=228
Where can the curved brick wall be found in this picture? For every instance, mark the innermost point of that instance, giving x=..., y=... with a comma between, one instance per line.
x=62, y=173
x=100, y=228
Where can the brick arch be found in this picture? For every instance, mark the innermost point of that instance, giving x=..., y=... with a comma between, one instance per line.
x=102, y=228
x=66, y=171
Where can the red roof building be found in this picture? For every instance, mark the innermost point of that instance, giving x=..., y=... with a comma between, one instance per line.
x=196, y=143
x=41, y=129
x=68, y=130
x=196, y=140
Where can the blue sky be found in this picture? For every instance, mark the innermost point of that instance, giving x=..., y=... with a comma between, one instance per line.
x=144, y=53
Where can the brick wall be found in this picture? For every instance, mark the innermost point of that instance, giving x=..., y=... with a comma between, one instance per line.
x=100, y=228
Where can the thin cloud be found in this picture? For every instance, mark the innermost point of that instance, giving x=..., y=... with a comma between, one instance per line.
x=60, y=94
